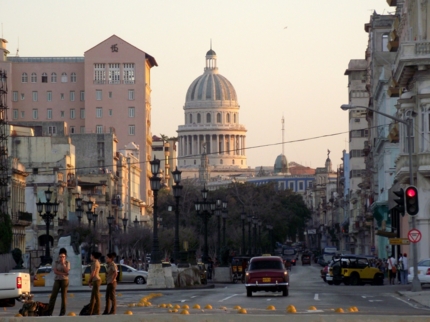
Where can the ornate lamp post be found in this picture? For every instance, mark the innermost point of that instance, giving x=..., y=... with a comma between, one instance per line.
x=136, y=222
x=124, y=223
x=260, y=223
x=243, y=217
x=249, y=218
x=155, y=186
x=51, y=209
x=270, y=229
x=79, y=210
x=224, y=217
x=90, y=213
x=110, y=220
x=205, y=209
x=177, y=193
x=95, y=216
x=218, y=215
x=254, y=222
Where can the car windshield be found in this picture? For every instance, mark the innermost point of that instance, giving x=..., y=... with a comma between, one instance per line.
x=259, y=265
x=425, y=262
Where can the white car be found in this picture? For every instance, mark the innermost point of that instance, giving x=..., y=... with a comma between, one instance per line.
x=129, y=274
x=423, y=271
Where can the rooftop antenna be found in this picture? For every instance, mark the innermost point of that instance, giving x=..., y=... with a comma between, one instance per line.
x=211, y=43
x=17, y=49
x=283, y=131
x=2, y=29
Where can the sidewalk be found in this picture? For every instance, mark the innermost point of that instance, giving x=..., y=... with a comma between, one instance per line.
x=422, y=297
x=121, y=287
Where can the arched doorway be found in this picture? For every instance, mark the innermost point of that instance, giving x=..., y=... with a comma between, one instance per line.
x=42, y=240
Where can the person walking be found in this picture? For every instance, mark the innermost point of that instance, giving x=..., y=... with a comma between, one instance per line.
x=403, y=263
x=392, y=269
x=61, y=270
x=94, y=283
x=111, y=284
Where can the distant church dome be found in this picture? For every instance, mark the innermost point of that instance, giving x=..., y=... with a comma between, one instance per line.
x=211, y=86
x=281, y=164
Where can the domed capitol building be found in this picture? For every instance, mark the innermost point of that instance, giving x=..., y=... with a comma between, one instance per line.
x=212, y=137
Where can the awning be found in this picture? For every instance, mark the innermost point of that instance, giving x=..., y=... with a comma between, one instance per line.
x=387, y=234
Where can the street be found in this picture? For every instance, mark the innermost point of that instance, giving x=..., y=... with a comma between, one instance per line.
x=306, y=290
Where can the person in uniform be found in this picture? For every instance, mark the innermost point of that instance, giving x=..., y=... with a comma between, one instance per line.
x=61, y=270
x=94, y=283
x=111, y=284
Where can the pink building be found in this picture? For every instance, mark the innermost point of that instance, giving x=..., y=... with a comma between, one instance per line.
x=106, y=90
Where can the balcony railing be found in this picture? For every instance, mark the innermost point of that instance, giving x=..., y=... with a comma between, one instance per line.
x=410, y=54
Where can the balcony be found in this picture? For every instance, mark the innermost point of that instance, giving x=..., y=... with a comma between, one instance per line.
x=410, y=56
x=402, y=168
x=424, y=164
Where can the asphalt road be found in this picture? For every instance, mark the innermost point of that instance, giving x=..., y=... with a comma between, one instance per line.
x=306, y=290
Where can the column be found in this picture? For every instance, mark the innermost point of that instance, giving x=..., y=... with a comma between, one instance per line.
x=244, y=145
x=217, y=144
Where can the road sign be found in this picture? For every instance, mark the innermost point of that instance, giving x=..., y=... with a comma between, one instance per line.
x=312, y=231
x=414, y=235
x=399, y=241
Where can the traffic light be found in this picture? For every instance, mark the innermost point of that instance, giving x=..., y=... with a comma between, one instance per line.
x=411, y=196
x=400, y=201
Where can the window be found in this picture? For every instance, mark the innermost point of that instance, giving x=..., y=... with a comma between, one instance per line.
x=301, y=185
x=131, y=94
x=228, y=118
x=62, y=96
x=82, y=96
x=35, y=114
x=234, y=118
x=73, y=77
x=53, y=77
x=128, y=73
x=208, y=117
x=49, y=113
x=220, y=161
x=110, y=94
x=99, y=74
x=199, y=118
x=385, y=42
x=110, y=112
x=218, y=118
x=100, y=149
x=44, y=78
x=291, y=185
x=33, y=77
x=22, y=114
x=82, y=113
x=72, y=113
x=35, y=96
x=15, y=96
x=356, y=154
x=15, y=114
x=52, y=130
x=49, y=96
x=98, y=94
x=82, y=129
x=131, y=112
x=24, y=78
x=22, y=96
x=99, y=112
x=131, y=130
x=72, y=130
x=72, y=96
x=114, y=74
x=62, y=113
x=64, y=77
x=191, y=118
x=99, y=129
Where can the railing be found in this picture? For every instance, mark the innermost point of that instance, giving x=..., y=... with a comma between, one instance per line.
x=113, y=82
x=212, y=126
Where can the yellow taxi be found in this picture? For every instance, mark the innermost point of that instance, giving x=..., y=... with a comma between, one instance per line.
x=86, y=273
x=39, y=277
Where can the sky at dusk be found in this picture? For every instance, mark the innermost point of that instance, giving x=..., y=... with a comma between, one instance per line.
x=283, y=57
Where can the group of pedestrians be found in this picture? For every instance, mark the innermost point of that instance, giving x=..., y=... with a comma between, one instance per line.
x=61, y=269
x=398, y=268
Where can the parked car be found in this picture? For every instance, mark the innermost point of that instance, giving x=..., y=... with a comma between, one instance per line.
x=266, y=273
x=423, y=271
x=39, y=277
x=86, y=273
x=14, y=287
x=306, y=259
x=128, y=274
x=321, y=261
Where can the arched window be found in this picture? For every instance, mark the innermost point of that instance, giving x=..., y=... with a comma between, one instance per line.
x=234, y=118
x=33, y=77
x=408, y=115
x=218, y=118
x=24, y=78
x=44, y=78
x=220, y=161
x=53, y=77
x=208, y=118
x=199, y=118
x=64, y=77
x=228, y=118
x=191, y=118
x=233, y=161
x=73, y=77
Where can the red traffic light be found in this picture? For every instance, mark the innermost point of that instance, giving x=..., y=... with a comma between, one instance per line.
x=411, y=192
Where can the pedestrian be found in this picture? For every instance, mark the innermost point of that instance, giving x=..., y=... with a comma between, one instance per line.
x=392, y=269
x=122, y=260
x=111, y=284
x=403, y=262
x=94, y=283
x=61, y=270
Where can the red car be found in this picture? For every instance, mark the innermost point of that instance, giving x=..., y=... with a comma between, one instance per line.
x=266, y=273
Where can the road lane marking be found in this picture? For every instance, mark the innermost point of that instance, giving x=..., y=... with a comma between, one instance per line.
x=316, y=297
x=193, y=296
x=229, y=297
x=375, y=301
x=415, y=306
x=182, y=301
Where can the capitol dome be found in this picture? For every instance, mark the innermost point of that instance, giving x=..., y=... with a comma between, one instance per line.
x=211, y=86
x=281, y=164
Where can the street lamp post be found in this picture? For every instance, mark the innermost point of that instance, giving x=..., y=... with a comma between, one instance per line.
x=254, y=222
x=90, y=212
x=136, y=222
x=218, y=216
x=110, y=220
x=259, y=236
x=177, y=193
x=416, y=284
x=124, y=223
x=205, y=209
x=249, y=235
x=270, y=229
x=243, y=217
x=155, y=187
x=95, y=216
x=51, y=209
x=224, y=217
x=79, y=211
